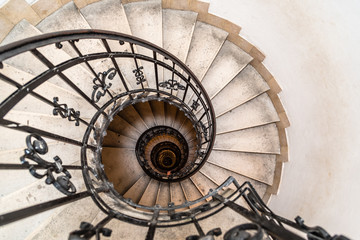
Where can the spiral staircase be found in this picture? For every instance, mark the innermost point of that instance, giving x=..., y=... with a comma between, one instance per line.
x=138, y=111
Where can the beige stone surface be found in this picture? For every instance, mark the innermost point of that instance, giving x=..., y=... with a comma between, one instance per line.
x=146, y=114
x=245, y=86
x=130, y=115
x=201, y=54
x=136, y=191
x=44, y=8
x=5, y=26
x=117, y=162
x=119, y=125
x=16, y=10
x=116, y=140
x=256, y=112
x=228, y=63
x=67, y=220
x=149, y=196
x=259, y=167
x=263, y=139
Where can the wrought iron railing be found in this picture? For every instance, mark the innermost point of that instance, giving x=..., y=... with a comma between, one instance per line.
x=104, y=89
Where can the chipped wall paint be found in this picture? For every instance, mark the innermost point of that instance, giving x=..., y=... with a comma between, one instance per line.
x=312, y=49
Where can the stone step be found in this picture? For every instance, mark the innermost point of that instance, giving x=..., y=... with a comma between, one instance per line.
x=137, y=190
x=110, y=15
x=197, y=60
x=121, y=167
x=120, y=126
x=150, y=194
x=177, y=195
x=191, y=193
x=67, y=220
x=245, y=86
x=262, y=139
x=163, y=194
x=116, y=140
x=158, y=110
x=130, y=115
x=220, y=175
x=74, y=20
x=50, y=123
x=256, y=112
x=170, y=114
x=147, y=27
x=229, y=61
x=144, y=110
x=48, y=90
x=203, y=183
x=178, y=27
x=30, y=64
x=259, y=167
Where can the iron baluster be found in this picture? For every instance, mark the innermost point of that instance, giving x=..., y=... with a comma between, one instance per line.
x=186, y=89
x=151, y=232
x=139, y=74
x=156, y=72
x=42, y=207
x=23, y=128
x=107, y=47
x=45, y=61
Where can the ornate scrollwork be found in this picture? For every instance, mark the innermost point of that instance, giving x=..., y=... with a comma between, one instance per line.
x=65, y=112
x=36, y=146
x=195, y=105
x=87, y=231
x=172, y=84
x=139, y=75
x=243, y=232
x=100, y=87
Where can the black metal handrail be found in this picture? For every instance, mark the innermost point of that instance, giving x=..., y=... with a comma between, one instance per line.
x=182, y=90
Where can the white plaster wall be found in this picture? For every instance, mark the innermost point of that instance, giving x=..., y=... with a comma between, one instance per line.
x=313, y=50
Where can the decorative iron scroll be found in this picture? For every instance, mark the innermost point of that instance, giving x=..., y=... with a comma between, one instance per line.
x=139, y=75
x=195, y=105
x=172, y=84
x=36, y=145
x=100, y=87
x=87, y=231
x=65, y=112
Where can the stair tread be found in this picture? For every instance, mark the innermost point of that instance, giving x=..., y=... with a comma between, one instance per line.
x=221, y=174
x=196, y=59
x=37, y=192
x=259, y=167
x=170, y=114
x=130, y=115
x=121, y=167
x=100, y=15
x=190, y=191
x=245, y=86
x=256, y=112
x=55, y=22
x=177, y=195
x=149, y=196
x=144, y=110
x=157, y=107
x=47, y=90
x=137, y=190
x=178, y=27
x=262, y=139
x=227, y=64
x=120, y=126
x=67, y=220
x=203, y=183
x=148, y=27
x=113, y=139
x=163, y=197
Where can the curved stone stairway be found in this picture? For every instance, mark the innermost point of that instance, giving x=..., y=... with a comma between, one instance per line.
x=250, y=140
